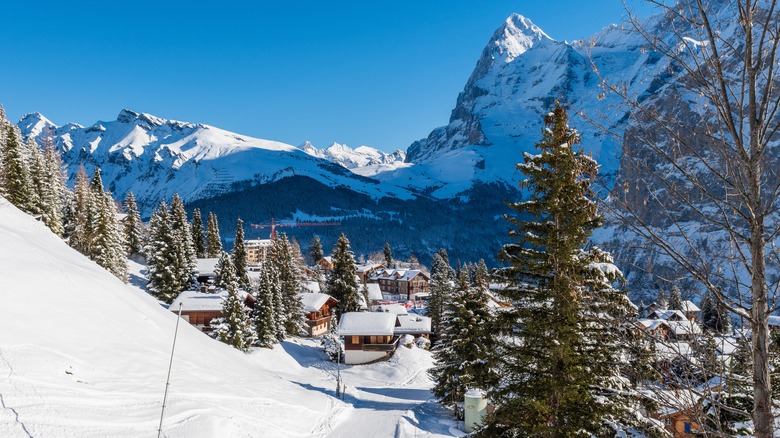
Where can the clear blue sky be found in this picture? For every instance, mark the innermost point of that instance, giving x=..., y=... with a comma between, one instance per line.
x=358, y=72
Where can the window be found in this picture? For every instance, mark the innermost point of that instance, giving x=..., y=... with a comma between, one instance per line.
x=355, y=339
x=372, y=340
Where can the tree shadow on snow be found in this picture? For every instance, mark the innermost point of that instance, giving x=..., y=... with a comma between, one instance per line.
x=402, y=393
x=359, y=403
x=306, y=356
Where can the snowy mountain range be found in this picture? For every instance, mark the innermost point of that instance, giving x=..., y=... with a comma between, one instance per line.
x=458, y=176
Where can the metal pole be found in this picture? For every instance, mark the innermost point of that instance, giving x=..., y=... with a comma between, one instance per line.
x=338, y=370
x=168, y=379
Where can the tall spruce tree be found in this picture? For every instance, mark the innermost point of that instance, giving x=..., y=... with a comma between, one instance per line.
x=15, y=182
x=133, y=227
x=165, y=277
x=546, y=357
x=264, y=313
x=315, y=250
x=388, y=255
x=661, y=302
x=236, y=327
x=342, y=283
x=108, y=245
x=239, y=257
x=82, y=233
x=440, y=291
x=706, y=309
x=54, y=191
x=197, y=234
x=675, y=299
x=182, y=242
x=283, y=258
x=214, y=242
x=225, y=272
x=464, y=345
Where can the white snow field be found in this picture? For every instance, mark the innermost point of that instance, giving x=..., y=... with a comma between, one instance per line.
x=83, y=355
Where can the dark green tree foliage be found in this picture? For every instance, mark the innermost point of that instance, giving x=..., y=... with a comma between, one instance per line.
x=440, y=291
x=236, y=327
x=661, y=302
x=342, y=283
x=214, y=243
x=82, y=232
x=388, y=255
x=706, y=311
x=315, y=250
x=161, y=257
x=444, y=256
x=265, y=313
x=133, y=228
x=239, y=257
x=16, y=183
x=286, y=264
x=108, y=245
x=96, y=184
x=198, y=240
x=550, y=368
x=225, y=272
x=465, y=344
x=675, y=300
x=183, y=237
x=481, y=276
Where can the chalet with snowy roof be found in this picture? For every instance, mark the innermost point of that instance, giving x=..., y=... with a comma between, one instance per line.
x=667, y=315
x=365, y=271
x=403, y=282
x=325, y=263
x=310, y=286
x=656, y=328
x=199, y=308
x=690, y=310
x=374, y=293
x=413, y=324
x=368, y=336
x=256, y=250
x=205, y=271
x=318, y=310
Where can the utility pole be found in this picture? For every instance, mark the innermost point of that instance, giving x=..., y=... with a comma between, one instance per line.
x=168, y=379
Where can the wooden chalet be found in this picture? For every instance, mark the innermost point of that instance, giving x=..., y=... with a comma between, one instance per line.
x=405, y=283
x=325, y=263
x=318, y=310
x=368, y=336
x=199, y=308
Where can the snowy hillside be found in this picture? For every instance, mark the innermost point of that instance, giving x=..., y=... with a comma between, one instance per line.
x=83, y=355
x=363, y=160
x=154, y=157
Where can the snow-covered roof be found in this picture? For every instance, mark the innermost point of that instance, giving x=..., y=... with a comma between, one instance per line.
x=313, y=302
x=688, y=306
x=198, y=301
x=669, y=315
x=206, y=266
x=684, y=327
x=311, y=286
x=416, y=324
x=774, y=320
x=374, y=292
x=369, y=267
x=396, y=309
x=398, y=274
x=726, y=345
x=367, y=324
x=262, y=243
x=652, y=324
x=673, y=349
x=328, y=259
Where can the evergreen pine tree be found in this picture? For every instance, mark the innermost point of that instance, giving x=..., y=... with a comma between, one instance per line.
x=342, y=283
x=81, y=233
x=446, y=258
x=440, y=291
x=721, y=323
x=315, y=250
x=388, y=255
x=96, y=184
x=55, y=190
x=185, y=264
x=675, y=300
x=108, y=246
x=285, y=262
x=547, y=354
x=37, y=179
x=225, y=272
x=236, y=326
x=197, y=234
x=164, y=282
x=239, y=257
x=464, y=345
x=661, y=301
x=133, y=227
x=481, y=276
x=16, y=182
x=214, y=242
x=264, y=313
x=706, y=311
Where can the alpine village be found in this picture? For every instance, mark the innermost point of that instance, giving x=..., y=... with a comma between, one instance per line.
x=605, y=266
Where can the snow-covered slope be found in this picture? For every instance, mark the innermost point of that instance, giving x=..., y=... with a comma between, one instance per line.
x=154, y=157
x=83, y=355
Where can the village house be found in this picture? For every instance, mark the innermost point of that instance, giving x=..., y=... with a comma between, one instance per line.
x=365, y=271
x=318, y=310
x=657, y=328
x=374, y=293
x=368, y=336
x=256, y=250
x=199, y=308
x=413, y=324
x=690, y=310
x=405, y=283
x=205, y=272
x=325, y=263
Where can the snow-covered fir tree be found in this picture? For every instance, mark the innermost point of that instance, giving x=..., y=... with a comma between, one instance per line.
x=198, y=238
x=213, y=241
x=264, y=314
x=388, y=255
x=182, y=240
x=133, y=227
x=315, y=250
x=290, y=275
x=54, y=191
x=481, y=276
x=81, y=209
x=661, y=302
x=440, y=291
x=225, y=272
x=464, y=344
x=675, y=299
x=342, y=283
x=236, y=326
x=108, y=245
x=239, y=257
x=168, y=277
x=15, y=179
x=546, y=352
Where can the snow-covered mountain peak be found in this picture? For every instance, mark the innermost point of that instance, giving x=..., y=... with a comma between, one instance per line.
x=515, y=36
x=308, y=148
x=35, y=123
x=130, y=116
